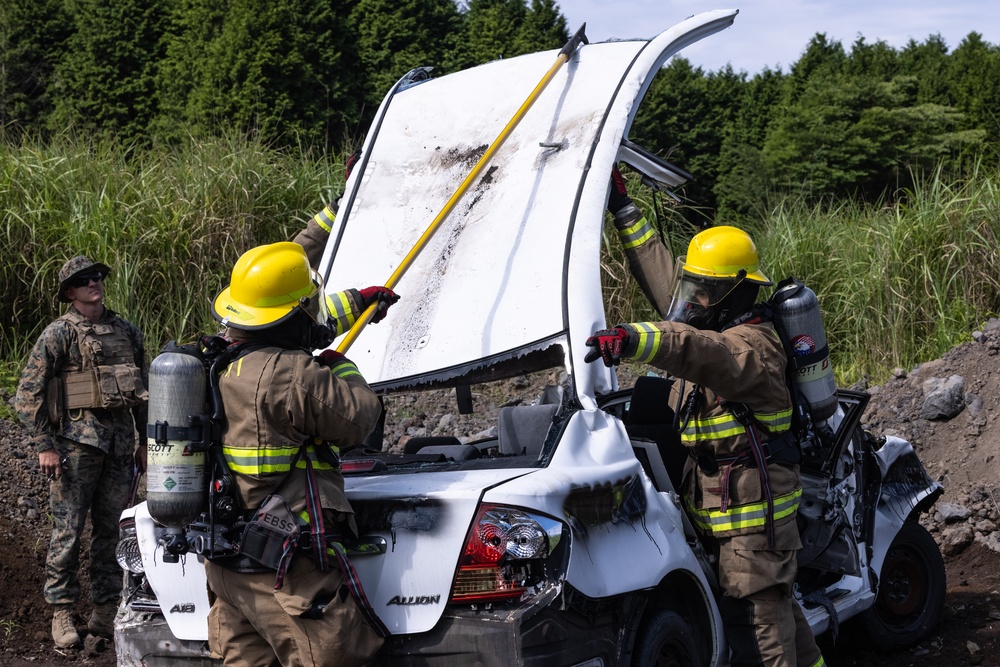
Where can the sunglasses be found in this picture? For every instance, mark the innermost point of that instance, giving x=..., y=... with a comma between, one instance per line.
x=84, y=280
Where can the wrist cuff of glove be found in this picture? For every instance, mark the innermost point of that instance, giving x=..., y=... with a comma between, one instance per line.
x=627, y=216
x=631, y=345
x=357, y=301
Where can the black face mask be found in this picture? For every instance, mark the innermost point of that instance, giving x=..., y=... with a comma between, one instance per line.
x=298, y=332
x=698, y=316
x=319, y=336
x=727, y=302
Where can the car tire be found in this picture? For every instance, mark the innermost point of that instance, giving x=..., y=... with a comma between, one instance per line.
x=911, y=592
x=667, y=640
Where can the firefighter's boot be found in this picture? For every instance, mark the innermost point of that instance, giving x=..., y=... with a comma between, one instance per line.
x=102, y=619
x=63, y=631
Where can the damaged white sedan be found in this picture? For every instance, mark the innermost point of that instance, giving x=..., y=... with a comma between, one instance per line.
x=560, y=540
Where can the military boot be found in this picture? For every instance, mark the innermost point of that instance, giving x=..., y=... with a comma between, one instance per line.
x=102, y=619
x=63, y=631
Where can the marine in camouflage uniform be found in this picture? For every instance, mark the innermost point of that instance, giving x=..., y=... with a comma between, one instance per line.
x=82, y=396
x=724, y=360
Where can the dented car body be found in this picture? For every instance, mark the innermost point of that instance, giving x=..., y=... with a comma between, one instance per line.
x=559, y=539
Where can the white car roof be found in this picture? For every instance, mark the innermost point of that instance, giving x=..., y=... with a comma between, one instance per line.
x=510, y=281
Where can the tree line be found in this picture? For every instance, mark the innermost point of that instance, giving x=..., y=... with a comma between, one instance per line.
x=301, y=71
x=861, y=122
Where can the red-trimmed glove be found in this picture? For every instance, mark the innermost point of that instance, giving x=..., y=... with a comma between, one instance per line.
x=383, y=296
x=608, y=345
x=352, y=160
x=330, y=358
x=618, y=199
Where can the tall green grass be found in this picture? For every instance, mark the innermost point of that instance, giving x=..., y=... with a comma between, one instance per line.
x=899, y=283
x=170, y=222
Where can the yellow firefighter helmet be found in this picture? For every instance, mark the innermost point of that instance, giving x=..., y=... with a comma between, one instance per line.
x=268, y=284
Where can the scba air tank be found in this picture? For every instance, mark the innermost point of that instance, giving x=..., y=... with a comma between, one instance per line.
x=797, y=310
x=176, y=489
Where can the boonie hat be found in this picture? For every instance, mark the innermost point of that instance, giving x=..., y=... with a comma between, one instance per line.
x=75, y=267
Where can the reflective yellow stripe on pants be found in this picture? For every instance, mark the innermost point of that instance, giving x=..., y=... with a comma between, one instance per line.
x=727, y=426
x=272, y=461
x=745, y=516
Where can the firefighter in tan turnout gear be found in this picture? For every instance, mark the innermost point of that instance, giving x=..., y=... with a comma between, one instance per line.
x=288, y=415
x=82, y=396
x=733, y=410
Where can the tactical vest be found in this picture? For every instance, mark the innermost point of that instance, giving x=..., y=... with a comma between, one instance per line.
x=106, y=376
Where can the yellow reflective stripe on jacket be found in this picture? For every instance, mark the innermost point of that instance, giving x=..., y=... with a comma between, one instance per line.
x=819, y=663
x=238, y=365
x=636, y=234
x=647, y=341
x=271, y=461
x=339, y=305
x=326, y=218
x=753, y=515
x=344, y=369
x=726, y=426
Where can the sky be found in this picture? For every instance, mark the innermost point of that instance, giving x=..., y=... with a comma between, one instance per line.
x=774, y=33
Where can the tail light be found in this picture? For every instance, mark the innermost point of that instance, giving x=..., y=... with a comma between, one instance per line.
x=505, y=554
x=127, y=552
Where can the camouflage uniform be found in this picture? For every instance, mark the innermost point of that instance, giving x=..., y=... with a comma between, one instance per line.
x=97, y=447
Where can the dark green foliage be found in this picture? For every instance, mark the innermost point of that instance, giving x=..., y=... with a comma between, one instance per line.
x=975, y=74
x=105, y=81
x=928, y=62
x=857, y=124
x=743, y=185
x=392, y=37
x=274, y=67
x=860, y=135
x=32, y=36
x=494, y=29
x=878, y=61
x=312, y=73
x=687, y=115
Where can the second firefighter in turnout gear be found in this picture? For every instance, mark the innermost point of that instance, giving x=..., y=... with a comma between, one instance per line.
x=733, y=410
x=288, y=415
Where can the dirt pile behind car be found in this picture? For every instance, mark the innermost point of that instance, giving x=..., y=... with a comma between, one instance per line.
x=948, y=409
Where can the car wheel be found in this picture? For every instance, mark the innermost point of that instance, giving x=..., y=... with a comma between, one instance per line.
x=667, y=640
x=911, y=591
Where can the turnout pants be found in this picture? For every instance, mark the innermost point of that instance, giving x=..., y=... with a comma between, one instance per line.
x=764, y=623
x=253, y=625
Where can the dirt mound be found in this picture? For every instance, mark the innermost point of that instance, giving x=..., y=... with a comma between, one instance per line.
x=946, y=408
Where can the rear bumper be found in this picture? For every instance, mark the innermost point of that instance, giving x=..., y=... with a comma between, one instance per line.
x=547, y=632
x=143, y=639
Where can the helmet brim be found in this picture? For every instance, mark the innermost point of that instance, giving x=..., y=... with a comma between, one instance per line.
x=240, y=316
x=755, y=276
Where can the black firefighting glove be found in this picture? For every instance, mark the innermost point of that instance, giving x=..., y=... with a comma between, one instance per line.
x=608, y=345
x=618, y=199
x=383, y=296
